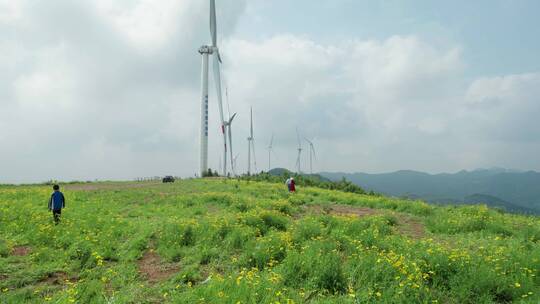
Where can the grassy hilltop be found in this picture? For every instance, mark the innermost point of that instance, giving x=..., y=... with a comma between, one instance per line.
x=229, y=241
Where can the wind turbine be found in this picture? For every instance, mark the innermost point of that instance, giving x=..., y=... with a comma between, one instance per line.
x=251, y=144
x=311, y=155
x=205, y=51
x=299, y=153
x=270, y=151
x=228, y=125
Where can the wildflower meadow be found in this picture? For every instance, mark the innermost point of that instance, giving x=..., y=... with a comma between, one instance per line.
x=239, y=241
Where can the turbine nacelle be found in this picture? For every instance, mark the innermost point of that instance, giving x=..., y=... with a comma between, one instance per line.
x=206, y=49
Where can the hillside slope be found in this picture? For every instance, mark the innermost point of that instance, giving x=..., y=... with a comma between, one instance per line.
x=232, y=241
x=514, y=191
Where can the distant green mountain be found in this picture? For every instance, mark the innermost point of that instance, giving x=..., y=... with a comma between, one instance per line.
x=512, y=190
x=496, y=202
x=279, y=172
x=283, y=171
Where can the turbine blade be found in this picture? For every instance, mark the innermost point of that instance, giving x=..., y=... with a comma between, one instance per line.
x=213, y=25
x=311, y=146
x=251, y=123
x=271, y=141
x=231, y=119
x=217, y=81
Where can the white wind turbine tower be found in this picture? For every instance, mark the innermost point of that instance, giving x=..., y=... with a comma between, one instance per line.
x=205, y=51
x=270, y=151
x=311, y=155
x=299, y=153
x=234, y=164
x=251, y=145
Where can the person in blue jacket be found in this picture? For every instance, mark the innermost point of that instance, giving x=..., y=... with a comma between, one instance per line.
x=56, y=203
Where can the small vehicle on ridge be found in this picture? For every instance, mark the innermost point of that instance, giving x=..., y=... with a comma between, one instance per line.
x=168, y=179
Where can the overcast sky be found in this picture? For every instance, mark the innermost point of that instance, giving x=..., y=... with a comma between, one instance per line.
x=90, y=89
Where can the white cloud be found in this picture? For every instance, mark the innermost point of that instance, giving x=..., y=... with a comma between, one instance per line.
x=10, y=10
x=111, y=90
x=150, y=24
x=378, y=105
x=104, y=90
x=505, y=108
x=369, y=92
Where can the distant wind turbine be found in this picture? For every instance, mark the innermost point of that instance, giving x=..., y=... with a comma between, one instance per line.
x=251, y=144
x=270, y=151
x=311, y=155
x=298, y=168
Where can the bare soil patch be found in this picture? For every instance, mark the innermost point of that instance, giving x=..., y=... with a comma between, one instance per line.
x=153, y=269
x=406, y=224
x=411, y=227
x=347, y=210
x=21, y=250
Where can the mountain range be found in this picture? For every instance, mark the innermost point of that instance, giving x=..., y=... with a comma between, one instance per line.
x=514, y=191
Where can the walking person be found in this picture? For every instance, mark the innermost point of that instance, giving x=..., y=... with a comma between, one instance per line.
x=288, y=183
x=56, y=203
x=292, y=187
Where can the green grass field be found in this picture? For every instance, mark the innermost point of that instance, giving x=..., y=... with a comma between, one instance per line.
x=229, y=241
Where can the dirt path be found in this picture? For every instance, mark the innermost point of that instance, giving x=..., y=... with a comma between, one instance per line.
x=153, y=269
x=411, y=227
x=21, y=250
x=407, y=225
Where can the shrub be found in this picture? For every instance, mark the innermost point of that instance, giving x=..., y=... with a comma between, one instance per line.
x=242, y=207
x=188, y=236
x=90, y=292
x=264, y=252
x=307, y=229
x=273, y=220
x=311, y=181
x=238, y=237
x=265, y=220
x=283, y=207
x=208, y=254
x=319, y=266
x=4, y=250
